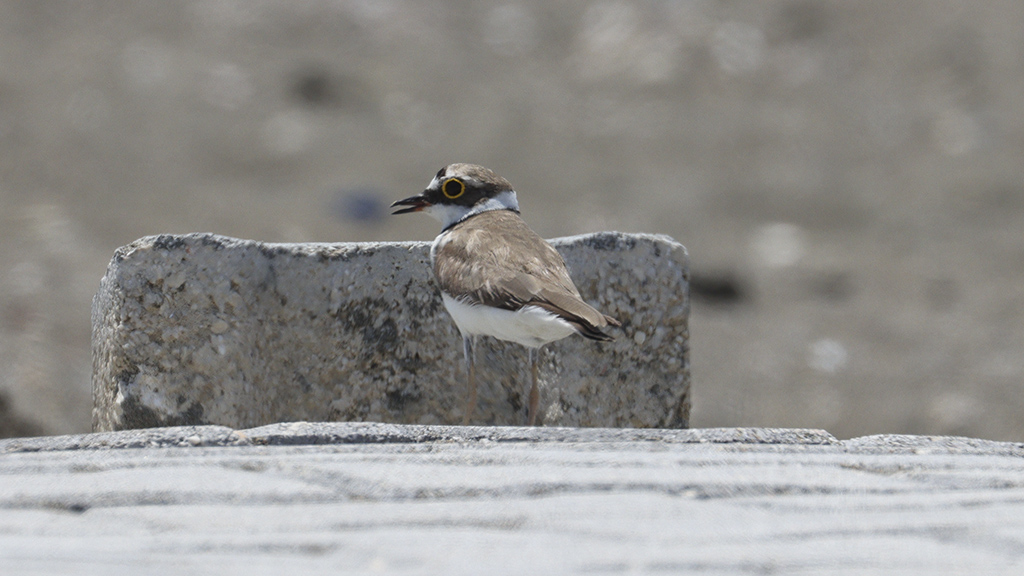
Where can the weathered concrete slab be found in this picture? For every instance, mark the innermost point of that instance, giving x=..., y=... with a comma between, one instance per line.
x=204, y=329
x=363, y=498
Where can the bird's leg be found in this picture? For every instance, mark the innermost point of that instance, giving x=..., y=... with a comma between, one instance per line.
x=467, y=350
x=531, y=417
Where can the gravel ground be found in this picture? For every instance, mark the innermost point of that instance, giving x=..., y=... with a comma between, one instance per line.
x=846, y=175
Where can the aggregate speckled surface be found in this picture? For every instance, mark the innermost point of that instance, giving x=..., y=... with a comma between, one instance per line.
x=206, y=329
x=366, y=498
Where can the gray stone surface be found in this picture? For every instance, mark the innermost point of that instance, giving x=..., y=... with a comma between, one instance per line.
x=204, y=329
x=360, y=498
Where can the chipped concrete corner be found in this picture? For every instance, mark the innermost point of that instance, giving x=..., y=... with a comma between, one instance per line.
x=205, y=329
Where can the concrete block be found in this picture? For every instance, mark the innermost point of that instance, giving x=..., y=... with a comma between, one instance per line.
x=203, y=329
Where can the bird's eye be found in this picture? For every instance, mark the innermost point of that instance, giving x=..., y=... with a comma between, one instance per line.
x=453, y=188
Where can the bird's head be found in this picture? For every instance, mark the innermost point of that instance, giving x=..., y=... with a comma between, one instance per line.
x=459, y=191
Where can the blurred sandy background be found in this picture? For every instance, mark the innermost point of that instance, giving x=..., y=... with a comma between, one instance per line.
x=847, y=175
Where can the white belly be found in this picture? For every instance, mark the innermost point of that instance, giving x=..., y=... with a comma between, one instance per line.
x=531, y=326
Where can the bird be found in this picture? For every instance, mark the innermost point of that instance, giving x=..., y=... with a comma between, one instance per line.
x=497, y=277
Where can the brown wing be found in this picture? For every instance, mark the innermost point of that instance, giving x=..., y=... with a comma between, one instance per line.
x=493, y=258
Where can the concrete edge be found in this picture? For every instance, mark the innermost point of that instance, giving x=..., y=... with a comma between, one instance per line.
x=911, y=444
x=335, y=433
x=141, y=438
x=360, y=432
x=161, y=241
x=326, y=433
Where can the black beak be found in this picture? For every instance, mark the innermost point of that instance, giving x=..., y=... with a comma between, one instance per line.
x=414, y=203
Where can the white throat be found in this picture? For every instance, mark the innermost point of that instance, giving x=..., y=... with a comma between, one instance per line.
x=449, y=214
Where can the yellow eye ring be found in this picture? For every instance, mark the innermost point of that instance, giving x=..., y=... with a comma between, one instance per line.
x=453, y=188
